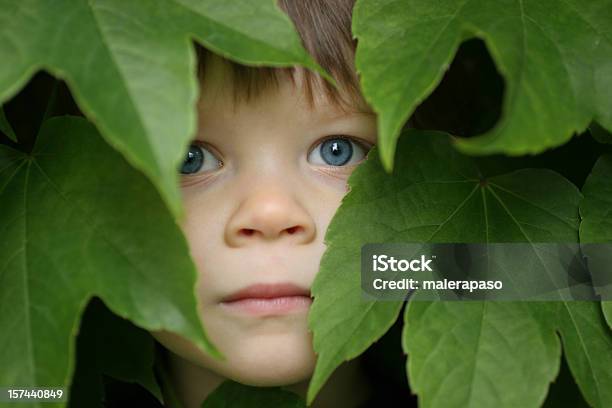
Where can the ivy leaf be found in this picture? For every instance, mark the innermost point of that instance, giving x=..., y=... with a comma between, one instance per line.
x=555, y=55
x=130, y=65
x=108, y=345
x=233, y=394
x=82, y=222
x=5, y=126
x=596, y=226
x=435, y=194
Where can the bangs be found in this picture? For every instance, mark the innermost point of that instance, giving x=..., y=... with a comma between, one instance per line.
x=324, y=27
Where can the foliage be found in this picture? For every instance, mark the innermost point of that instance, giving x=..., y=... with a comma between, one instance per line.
x=554, y=56
x=130, y=64
x=596, y=216
x=74, y=233
x=435, y=194
x=92, y=210
x=5, y=127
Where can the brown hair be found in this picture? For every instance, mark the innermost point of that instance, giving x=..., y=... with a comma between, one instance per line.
x=324, y=27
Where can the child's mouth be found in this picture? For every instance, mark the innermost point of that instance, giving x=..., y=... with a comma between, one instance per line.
x=269, y=299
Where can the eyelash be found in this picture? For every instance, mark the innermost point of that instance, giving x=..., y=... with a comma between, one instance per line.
x=332, y=170
x=357, y=140
x=212, y=150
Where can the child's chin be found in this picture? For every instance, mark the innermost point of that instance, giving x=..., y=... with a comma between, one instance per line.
x=265, y=359
x=271, y=365
x=283, y=376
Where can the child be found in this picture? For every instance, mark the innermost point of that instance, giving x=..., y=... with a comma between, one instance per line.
x=260, y=183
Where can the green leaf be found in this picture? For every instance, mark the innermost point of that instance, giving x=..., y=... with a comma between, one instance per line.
x=596, y=226
x=587, y=343
x=599, y=133
x=5, y=126
x=130, y=64
x=435, y=194
x=596, y=223
x=484, y=334
x=110, y=346
x=555, y=55
x=606, y=307
x=82, y=222
x=233, y=394
x=478, y=354
x=587, y=339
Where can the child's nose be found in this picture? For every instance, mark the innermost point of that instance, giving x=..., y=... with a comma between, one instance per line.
x=269, y=216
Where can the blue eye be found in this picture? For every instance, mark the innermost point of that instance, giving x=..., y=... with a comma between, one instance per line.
x=197, y=159
x=337, y=151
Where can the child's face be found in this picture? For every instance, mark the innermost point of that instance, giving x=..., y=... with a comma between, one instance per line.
x=260, y=217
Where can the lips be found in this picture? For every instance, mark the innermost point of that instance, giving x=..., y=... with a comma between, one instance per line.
x=267, y=291
x=268, y=299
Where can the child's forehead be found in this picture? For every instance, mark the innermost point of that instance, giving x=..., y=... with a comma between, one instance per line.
x=222, y=84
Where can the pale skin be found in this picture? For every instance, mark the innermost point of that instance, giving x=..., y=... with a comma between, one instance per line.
x=256, y=212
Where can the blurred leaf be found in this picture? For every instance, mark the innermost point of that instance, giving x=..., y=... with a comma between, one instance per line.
x=130, y=64
x=600, y=134
x=555, y=55
x=82, y=222
x=5, y=126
